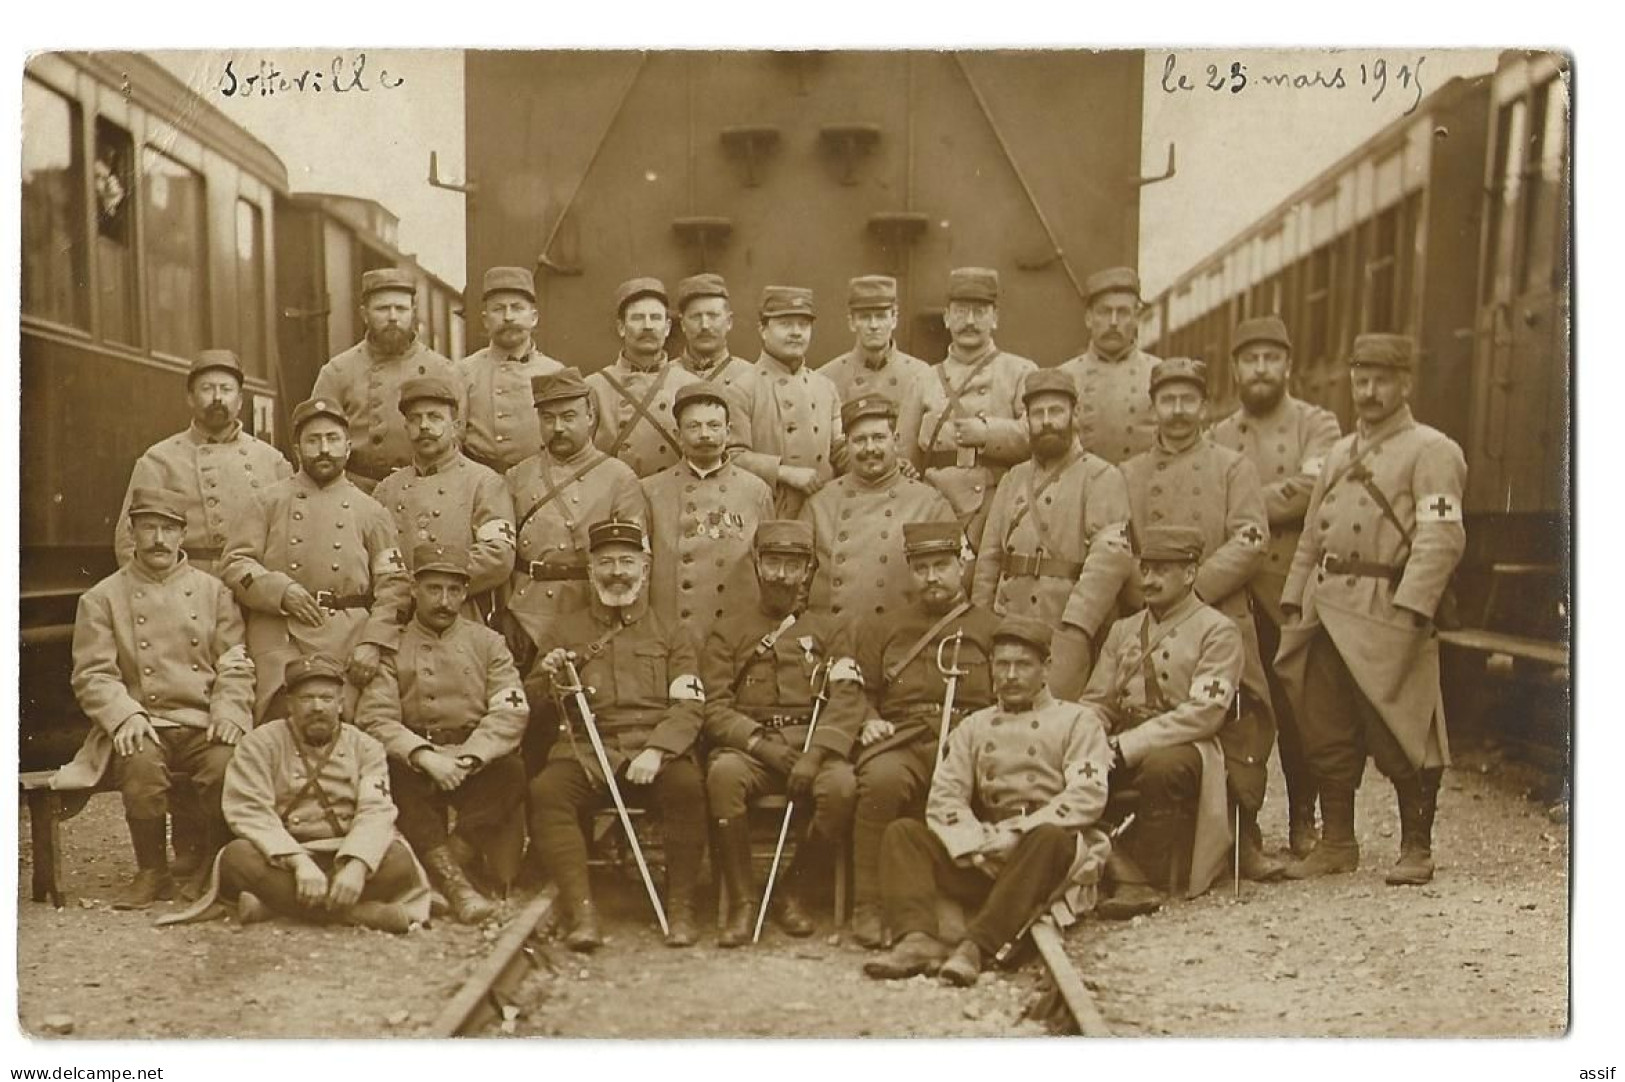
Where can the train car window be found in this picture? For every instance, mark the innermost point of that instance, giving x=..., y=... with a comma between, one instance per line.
x=177, y=255
x=53, y=207
x=1382, y=272
x=1543, y=203
x=1317, y=307
x=114, y=170
x=251, y=287
x=1510, y=149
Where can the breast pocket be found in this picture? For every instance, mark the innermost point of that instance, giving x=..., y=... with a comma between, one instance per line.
x=649, y=664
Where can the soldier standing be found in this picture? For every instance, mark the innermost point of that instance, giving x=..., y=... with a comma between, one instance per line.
x=1056, y=545
x=450, y=711
x=765, y=668
x=501, y=429
x=707, y=317
x=641, y=680
x=159, y=668
x=1115, y=419
x=365, y=380
x=971, y=429
x=443, y=497
x=1186, y=479
x=703, y=513
x=632, y=397
x=316, y=563
x=794, y=434
x=858, y=519
x=1286, y=440
x=1359, y=653
x=1165, y=681
x=906, y=660
x=874, y=364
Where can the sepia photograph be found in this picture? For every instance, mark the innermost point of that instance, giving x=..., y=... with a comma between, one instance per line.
x=795, y=543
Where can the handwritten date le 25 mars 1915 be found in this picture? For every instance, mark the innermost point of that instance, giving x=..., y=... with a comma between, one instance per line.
x=1375, y=75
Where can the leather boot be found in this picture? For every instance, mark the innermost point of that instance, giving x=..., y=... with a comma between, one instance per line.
x=216, y=835
x=1336, y=852
x=584, y=935
x=250, y=910
x=1130, y=900
x=470, y=905
x=788, y=912
x=381, y=917
x=732, y=859
x=682, y=881
x=868, y=928
x=1418, y=800
x=1256, y=865
x=915, y=953
x=1302, y=834
x=963, y=966
x=152, y=880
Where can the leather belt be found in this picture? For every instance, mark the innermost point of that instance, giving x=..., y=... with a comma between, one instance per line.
x=781, y=720
x=542, y=571
x=332, y=602
x=947, y=460
x=204, y=552
x=1029, y=565
x=1337, y=565
x=371, y=473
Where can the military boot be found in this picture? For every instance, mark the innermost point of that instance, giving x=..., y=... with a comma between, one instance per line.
x=216, y=835
x=1256, y=865
x=915, y=953
x=731, y=853
x=1302, y=834
x=152, y=880
x=470, y=905
x=388, y=917
x=250, y=910
x=1418, y=800
x=683, y=857
x=1337, y=851
x=963, y=966
x=868, y=927
x=788, y=911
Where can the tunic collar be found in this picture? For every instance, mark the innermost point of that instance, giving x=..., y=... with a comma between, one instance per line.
x=1040, y=701
x=700, y=365
x=195, y=432
x=608, y=617
x=872, y=365
x=449, y=460
x=1275, y=415
x=378, y=358
x=1399, y=419
x=577, y=459
x=956, y=357
x=881, y=484
x=704, y=475
x=1174, y=615
x=1128, y=355
x=625, y=363
x=138, y=570
x=772, y=363
x=430, y=633
x=1168, y=452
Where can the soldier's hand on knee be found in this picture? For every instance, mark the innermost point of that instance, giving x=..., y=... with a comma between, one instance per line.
x=875, y=730
x=345, y=889
x=643, y=769
x=778, y=755
x=800, y=783
x=300, y=604
x=446, y=773
x=309, y=882
x=133, y=735
x=224, y=732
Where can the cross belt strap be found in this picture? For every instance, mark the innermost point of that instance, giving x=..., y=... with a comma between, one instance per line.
x=763, y=648
x=313, y=787
x=1028, y=565
x=552, y=491
x=892, y=671
x=1032, y=501
x=640, y=411
x=1148, y=671
x=955, y=394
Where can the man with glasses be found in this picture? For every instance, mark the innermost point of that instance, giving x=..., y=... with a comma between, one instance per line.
x=1115, y=420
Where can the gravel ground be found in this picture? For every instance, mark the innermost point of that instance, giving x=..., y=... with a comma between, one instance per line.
x=1480, y=952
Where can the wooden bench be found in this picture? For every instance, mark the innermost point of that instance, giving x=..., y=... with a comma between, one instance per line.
x=1504, y=650
x=761, y=857
x=48, y=809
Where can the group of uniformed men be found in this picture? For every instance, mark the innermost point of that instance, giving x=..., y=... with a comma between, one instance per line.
x=950, y=609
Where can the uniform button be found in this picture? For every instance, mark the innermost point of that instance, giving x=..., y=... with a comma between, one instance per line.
x=298, y=515
x=140, y=619
x=293, y=566
x=338, y=545
x=194, y=668
x=147, y=670
x=144, y=644
x=335, y=567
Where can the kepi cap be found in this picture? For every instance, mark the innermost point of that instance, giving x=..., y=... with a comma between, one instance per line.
x=616, y=532
x=696, y=286
x=510, y=280
x=1178, y=369
x=223, y=360
x=791, y=536
x=1176, y=543
x=1026, y=630
x=859, y=406
x=633, y=288
x=701, y=390
x=450, y=559
x=1049, y=381
x=374, y=281
x=302, y=670
x=1384, y=351
x=1260, y=329
x=786, y=301
x=318, y=407
x=929, y=538
x=558, y=386
x=1111, y=280
x=871, y=291
x=435, y=388
x=158, y=501
x=978, y=284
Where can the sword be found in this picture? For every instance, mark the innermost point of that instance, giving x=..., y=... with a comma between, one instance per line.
x=578, y=691
x=1003, y=954
x=952, y=672
x=820, y=697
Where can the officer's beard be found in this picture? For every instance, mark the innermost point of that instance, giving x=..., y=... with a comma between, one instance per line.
x=779, y=598
x=1262, y=395
x=319, y=732
x=391, y=341
x=621, y=591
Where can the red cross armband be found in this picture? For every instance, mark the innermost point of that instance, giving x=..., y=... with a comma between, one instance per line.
x=1213, y=690
x=686, y=688
x=1438, y=507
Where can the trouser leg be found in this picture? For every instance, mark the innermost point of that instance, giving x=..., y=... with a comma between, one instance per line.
x=420, y=807
x=678, y=794
x=490, y=816
x=395, y=875
x=733, y=779
x=914, y=867
x=1332, y=726
x=1035, y=869
x=890, y=785
x=558, y=797
x=1158, y=845
x=1301, y=788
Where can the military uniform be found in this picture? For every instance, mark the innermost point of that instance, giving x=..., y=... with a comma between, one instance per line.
x=1216, y=492
x=501, y=427
x=899, y=376
x=1381, y=539
x=1115, y=418
x=1056, y=548
x=218, y=475
x=458, y=692
x=454, y=502
x=701, y=527
x=858, y=531
x=367, y=385
x=987, y=386
x=1011, y=818
x=1165, y=687
x=1288, y=447
x=635, y=422
x=641, y=678
x=335, y=541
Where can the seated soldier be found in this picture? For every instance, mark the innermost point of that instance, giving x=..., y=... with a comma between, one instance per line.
x=160, y=670
x=1010, y=822
x=766, y=670
x=640, y=678
x=901, y=657
x=450, y=711
x=1164, y=684
x=309, y=799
